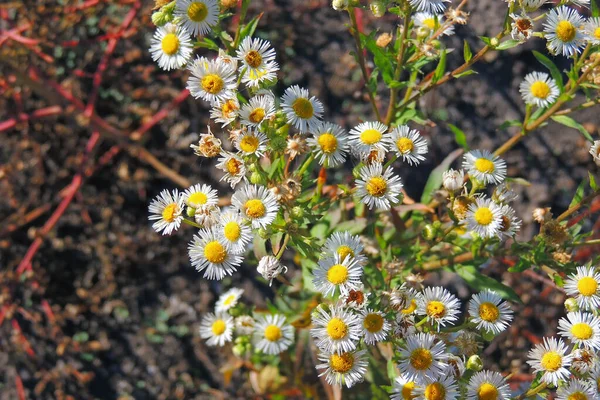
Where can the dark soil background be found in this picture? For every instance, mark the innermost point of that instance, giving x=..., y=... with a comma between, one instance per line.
x=109, y=308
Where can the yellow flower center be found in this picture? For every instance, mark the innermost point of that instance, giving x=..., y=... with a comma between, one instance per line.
x=337, y=274
x=597, y=33
x=218, y=327
x=170, y=44
x=345, y=251
x=551, y=361
x=255, y=208
x=429, y=22
x=197, y=11
x=565, y=31
x=484, y=165
x=303, y=108
x=370, y=136
x=341, y=363
x=488, y=312
x=376, y=186
x=229, y=300
x=170, y=212
x=254, y=59
x=436, y=309
x=373, y=322
x=212, y=83
x=337, y=329
x=257, y=115
x=411, y=307
x=273, y=333
x=228, y=107
x=540, y=89
x=407, y=390
x=249, y=144
x=328, y=143
x=587, y=285
x=232, y=231
x=577, y=396
x=435, y=391
x=198, y=198
x=421, y=359
x=405, y=145
x=233, y=166
x=484, y=216
x=582, y=331
x=487, y=391
x=215, y=252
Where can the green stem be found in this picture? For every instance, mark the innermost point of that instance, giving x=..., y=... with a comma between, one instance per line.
x=192, y=223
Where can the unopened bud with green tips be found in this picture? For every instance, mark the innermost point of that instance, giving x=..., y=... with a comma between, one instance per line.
x=494, y=42
x=297, y=212
x=257, y=178
x=474, y=363
x=160, y=18
x=429, y=232
x=377, y=8
x=242, y=346
x=278, y=143
x=571, y=305
x=423, y=32
x=190, y=211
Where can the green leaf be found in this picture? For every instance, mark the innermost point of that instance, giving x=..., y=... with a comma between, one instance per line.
x=459, y=136
x=571, y=123
x=507, y=124
x=434, y=182
x=207, y=44
x=380, y=59
x=595, y=9
x=355, y=227
x=467, y=53
x=465, y=73
x=551, y=66
x=441, y=67
x=593, y=183
x=508, y=44
x=578, y=194
x=478, y=281
x=250, y=27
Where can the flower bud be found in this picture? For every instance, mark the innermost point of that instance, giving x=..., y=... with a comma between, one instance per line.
x=377, y=8
x=339, y=5
x=228, y=3
x=474, y=363
x=383, y=40
x=242, y=346
x=264, y=233
x=571, y=305
x=160, y=18
x=257, y=178
x=190, y=211
x=453, y=180
x=429, y=232
x=278, y=143
x=494, y=42
x=270, y=268
x=297, y=212
x=423, y=32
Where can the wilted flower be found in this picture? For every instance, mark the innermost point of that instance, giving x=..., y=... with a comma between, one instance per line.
x=270, y=268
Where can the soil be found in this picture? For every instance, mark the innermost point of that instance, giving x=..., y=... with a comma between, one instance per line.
x=125, y=302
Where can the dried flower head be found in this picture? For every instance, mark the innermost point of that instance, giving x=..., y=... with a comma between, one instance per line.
x=209, y=146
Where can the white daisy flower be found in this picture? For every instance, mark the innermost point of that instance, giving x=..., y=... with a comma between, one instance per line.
x=346, y=368
x=532, y=5
x=490, y=312
x=576, y=390
x=484, y=217
x=232, y=229
x=256, y=203
x=166, y=210
x=258, y=109
x=233, y=166
x=345, y=245
x=255, y=54
x=211, y=80
x=374, y=325
x=228, y=300
x=197, y=16
x=585, y=287
x=408, y=144
x=378, y=189
x=252, y=78
x=439, y=305
x=592, y=30
x=422, y=358
x=510, y=223
x=551, y=360
x=584, y=360
x=301, y=110
x=580, y=3
x=207, y=216
x=336, y=273
x=226, y=112
x=251, y=142
x=272, y=335
x=485, y=167
x=595, y=152
x=433, y=6
x=562, y=31
x=335, y=331
x=582, y=329
x=355, y=299
x=539, y=89
x=485, y=385
x=218, y=329
x=244, y=325
x=270, y=268
x=211, y=254
x=200, y=195
x=171, y=47
x=367, y=137
x=438, y=388
x=594, y=380
x=330, y=143
x=403, y=389
x=432, y=22
x=453, y=180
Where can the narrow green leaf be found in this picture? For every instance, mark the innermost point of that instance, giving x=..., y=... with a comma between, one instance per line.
x=250, y=27
x=578, y=194
x=467, y=53
x=595, y=9
x=546, y=62
x=441, y=67
x=380, y=59
x=465, y=73
x=434, y=182
x=459, y=136
x=571, y=123
x=593, y=183
x=478, y=281
x=508, y=44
